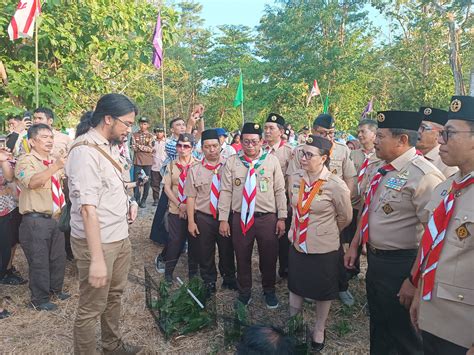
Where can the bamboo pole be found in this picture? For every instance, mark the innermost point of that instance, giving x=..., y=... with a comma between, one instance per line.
x=36, y=66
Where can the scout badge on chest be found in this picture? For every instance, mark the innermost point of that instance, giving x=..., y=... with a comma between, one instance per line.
x=387, y=208
x=462, y=232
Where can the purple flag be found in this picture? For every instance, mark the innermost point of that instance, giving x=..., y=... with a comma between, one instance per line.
x=158, y=44
x=367, y=108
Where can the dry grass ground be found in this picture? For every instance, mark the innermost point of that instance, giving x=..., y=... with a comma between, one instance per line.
x=30, y=332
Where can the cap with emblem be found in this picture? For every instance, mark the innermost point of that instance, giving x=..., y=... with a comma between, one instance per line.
x=399, y=119
x=158, y=128
x=251, y=128
x=209, y=134
x=319, y=142
x=434, y=115
x=324, y=120
x=276, y=118
x=187, y=138
x=143, y=119
x=461, y=108
x=221, y=132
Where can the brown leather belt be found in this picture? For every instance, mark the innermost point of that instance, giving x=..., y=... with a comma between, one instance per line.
x=396, y=252
x=37, y=215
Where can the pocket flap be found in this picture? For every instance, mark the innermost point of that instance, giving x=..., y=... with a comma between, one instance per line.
x=456, y=294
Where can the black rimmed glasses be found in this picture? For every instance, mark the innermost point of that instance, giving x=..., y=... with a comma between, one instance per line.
x=446, y=134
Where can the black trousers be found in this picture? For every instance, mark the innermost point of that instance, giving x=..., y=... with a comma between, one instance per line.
x=391, y=331
x=5, y=243
x=43, y=244
x=207, y=239
x=178, y=234
x=346, y=237
x=284, y=245
x=433, y=345
x=146, y=187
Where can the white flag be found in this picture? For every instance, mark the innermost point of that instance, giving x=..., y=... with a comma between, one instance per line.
x=23, y=22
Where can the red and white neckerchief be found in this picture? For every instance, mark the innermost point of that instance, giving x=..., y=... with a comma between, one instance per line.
x=364, y=226
x=215, y=186
x=250, y=191
x=183, y=172
x=433, y=238
x=305, y=197
x=57, y=193
x=362, y=170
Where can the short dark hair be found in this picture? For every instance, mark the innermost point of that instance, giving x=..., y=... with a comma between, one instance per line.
x=175, y=120
x=412, y=135
x=47, y=112
x=16, y=118
x=369, y=123
x=33, y=131
x=328, y=154
x=114, y=105
x=265, y=340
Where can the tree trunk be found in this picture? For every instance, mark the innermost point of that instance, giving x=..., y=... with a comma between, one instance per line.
x=454, y=59
x=471, y=84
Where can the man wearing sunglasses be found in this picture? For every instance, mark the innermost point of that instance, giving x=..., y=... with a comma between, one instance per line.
x=433, y=122
x=391, y=225
x=443, y=308
x=253, y=187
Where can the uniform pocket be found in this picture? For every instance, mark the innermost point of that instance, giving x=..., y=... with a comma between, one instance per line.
x=455, y=294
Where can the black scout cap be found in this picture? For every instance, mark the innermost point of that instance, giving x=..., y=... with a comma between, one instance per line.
x=143, y=119
x=276, y=118
x=187, y=138
x=461, y=108
x=324, y=120
x=319, y=142
x=434, y=115
x=399, y=119
x=251, y=128
x=158, y=128
x=209, y=134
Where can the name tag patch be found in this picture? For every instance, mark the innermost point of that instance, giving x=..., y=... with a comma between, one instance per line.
x=396, y=183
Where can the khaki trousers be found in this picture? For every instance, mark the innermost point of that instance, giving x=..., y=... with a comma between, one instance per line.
x=104, y=302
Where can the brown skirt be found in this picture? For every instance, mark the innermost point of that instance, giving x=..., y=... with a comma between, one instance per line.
x=313, y=276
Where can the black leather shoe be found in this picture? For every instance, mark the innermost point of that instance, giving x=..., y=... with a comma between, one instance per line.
x=318, y=346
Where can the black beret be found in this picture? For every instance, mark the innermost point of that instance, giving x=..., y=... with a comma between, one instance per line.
x=209, y=134
x=434, y=115
x=143, y=119
x=186, y=137
x=276, y=118
x=319, y=142
x=399, y=119
x=324, y=120
x=158, y=128
x=251, y=128
x=461, y=108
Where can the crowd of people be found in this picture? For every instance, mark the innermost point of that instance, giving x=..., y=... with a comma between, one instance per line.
x=314, y=204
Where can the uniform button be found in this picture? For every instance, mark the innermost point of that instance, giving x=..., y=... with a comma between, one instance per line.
x=461, y=297
x=465, y=217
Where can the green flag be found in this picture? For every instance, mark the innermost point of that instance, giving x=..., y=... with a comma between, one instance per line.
x=239, y=95
x=326, y=105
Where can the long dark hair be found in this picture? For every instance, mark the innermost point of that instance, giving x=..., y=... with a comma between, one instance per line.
x=114, y=105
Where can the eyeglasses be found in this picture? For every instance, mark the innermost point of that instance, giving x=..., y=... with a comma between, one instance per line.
x=426, y=128
x=127, y=124
x=325, y=133
x=183, y=146
x=446, y=134
x=251, y=142
x=307, y=155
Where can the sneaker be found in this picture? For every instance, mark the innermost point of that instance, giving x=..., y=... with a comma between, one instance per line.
x=124, y=349
x=13, y=280
x=142, y=204
x=244, y=299
x=47, y=306
x=155, y=203
x=346, y=298
x=159, y=264
x=4, y=314
x=62, y=296
x=230, y=285
x=271, y=300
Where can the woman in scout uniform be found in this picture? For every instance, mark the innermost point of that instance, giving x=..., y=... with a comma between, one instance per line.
x=174, y=182
x=321, y=208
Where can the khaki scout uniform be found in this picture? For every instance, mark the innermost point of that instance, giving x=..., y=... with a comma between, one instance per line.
x=283, y=153
x=358, y=157
x=40, y=237
x=198, y=185
x=94, y=181
x=270, y=204
x=434, y=158
x=178, y=228
x=61, y=145
x=396, y=216
x=450, y=312
x=142, y=144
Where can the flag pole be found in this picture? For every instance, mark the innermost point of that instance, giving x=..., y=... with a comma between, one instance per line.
x=242, y=103
x=163, y=94
x=36, y=66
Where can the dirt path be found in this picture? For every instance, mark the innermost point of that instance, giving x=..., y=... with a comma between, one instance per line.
x=32, y=332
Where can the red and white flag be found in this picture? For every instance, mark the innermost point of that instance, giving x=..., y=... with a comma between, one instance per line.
x=23, y=22
x=314, y=92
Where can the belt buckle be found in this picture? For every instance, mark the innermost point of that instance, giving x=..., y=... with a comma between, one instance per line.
x=372, y=249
